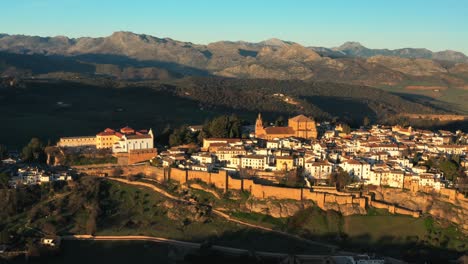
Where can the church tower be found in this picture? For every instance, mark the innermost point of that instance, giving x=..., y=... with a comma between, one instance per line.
x=259, y=129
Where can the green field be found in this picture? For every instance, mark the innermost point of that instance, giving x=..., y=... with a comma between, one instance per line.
x=375, y=228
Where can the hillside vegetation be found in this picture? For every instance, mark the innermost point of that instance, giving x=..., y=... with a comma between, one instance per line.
x=437, y=78
x=97, y=206
x=49, y=109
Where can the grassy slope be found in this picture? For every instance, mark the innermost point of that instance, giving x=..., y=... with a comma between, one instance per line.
x=394, y=235
x=128, y=210
x=378, y=231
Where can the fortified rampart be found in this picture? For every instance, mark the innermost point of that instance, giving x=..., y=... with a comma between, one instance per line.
x=320, y=195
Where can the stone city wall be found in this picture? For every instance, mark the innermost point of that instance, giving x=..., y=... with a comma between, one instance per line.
x=320, y=195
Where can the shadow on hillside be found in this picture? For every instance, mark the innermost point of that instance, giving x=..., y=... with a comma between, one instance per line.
x=123, y=61
x=87, y=109
x=40, y=64
x=351, y=109
x=426, y=100
x=406, y=248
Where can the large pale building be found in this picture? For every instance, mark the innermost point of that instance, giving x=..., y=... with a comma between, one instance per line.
x=299, y=126
x=73, y=142
x=108, y=137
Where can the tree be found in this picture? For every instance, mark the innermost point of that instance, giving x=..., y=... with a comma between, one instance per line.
x=4, y=178
x=3, y=152
x=449, y=168
x=223, y=127
x=340, y=178
x=49, y=229
x=346, y=128
x=91, y=225
x=183, y=135
x=34, y=151
x=366, y=122
x=279, y=121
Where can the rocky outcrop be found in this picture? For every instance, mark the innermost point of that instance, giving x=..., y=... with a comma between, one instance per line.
x=276, y=208
x=346, y=209
x=438, y=206
x=196, y=212
x=287, y=208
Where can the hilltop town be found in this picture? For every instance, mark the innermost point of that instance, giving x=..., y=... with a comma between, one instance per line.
x=401, y=170
x=376, y=155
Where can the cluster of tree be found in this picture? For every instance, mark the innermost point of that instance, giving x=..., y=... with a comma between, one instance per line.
x=292, y=178
x=450, y=166
x=257, y=95
x=340, y=178
x=223, y=127
x=3, y=152
x=4, y=179
x=346, y=128
x=18, y=200
x=183, y=135
x=34, y=151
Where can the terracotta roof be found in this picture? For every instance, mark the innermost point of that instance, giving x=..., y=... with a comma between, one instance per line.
x=106, y=133
x=138, y=136
x=301, y=118
x=279, y=130
x=127, y=130
x=254, y=157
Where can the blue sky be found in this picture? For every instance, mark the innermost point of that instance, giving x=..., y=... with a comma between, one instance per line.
x=437, y=25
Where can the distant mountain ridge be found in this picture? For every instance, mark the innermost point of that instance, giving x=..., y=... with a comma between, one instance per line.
x=128, y=55
x=356, y=49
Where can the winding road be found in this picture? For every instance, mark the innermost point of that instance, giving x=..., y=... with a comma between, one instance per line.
x=192, y=245
x=222, y=214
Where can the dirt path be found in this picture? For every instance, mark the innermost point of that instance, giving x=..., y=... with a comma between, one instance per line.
x=222, y=214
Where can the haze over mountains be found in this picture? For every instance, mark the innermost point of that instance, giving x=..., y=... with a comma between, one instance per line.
x=137, y=56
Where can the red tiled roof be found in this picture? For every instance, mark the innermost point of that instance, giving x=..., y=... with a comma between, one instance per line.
x=127, y=130
x=106, y=133
x=138, y=136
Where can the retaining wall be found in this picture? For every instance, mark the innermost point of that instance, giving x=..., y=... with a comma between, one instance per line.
x=221, y=180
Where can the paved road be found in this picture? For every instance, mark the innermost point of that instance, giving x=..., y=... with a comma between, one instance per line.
x=192, y=245
x=222, y=214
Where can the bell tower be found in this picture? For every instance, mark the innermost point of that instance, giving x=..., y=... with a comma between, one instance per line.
x=259, y=129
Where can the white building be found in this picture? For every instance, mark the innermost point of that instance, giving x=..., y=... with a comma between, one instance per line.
x=203, y=158
x=357, y=168
x=134, y=142
x=318, y=169
x=257, y=162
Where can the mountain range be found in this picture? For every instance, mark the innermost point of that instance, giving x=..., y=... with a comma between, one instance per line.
x=127, y=55
x=273, y=58
x=356, y=49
